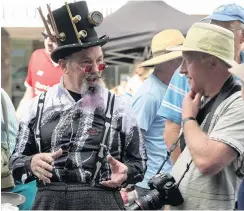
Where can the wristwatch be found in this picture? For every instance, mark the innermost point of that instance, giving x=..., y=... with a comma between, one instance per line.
x=187, y=119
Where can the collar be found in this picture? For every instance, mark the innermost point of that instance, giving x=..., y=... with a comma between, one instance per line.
x=63, y=91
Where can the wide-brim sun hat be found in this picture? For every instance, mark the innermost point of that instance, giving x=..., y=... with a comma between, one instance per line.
x=160, y=42
x=210, y=39
x=162, y=58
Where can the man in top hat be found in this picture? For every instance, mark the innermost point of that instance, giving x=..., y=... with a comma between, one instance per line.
x=80, y=141
x=42, y=73
x=212, y=121
x=148, y=99
x=238, y=71
x=231, y=17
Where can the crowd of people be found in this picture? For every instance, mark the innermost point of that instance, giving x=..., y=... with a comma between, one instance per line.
x=75, y=145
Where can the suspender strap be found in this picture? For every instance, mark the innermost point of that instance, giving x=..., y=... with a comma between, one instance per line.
x=229, y=88
x=5, y=118
x=39, y=112
x=103, y=146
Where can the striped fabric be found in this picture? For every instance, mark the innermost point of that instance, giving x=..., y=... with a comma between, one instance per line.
x=77, y=128
x=171, y=106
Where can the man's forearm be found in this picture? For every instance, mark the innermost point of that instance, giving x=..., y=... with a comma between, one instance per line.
x=199, y=145
x=196, y=139
x=171, y=134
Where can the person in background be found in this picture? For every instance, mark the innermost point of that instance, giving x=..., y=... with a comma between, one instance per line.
x=28, y=190
x=134, y=83
x=239, y=72
x=85, y=144
x=42, y=73
x=147, y=101
x=231, y=17
x=120, y=89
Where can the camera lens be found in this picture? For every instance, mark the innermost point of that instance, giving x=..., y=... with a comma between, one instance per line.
x=152, y=201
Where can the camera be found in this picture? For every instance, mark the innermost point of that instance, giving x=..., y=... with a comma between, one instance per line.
x=164, y=191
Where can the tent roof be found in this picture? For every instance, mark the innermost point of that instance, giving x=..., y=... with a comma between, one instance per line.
x=135, y=23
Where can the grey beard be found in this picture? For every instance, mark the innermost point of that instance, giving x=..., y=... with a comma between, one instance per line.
x=92, y=95
x=87, y=89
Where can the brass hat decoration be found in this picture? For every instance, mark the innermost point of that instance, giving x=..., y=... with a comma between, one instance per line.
x=61, y=36
x=94, y=18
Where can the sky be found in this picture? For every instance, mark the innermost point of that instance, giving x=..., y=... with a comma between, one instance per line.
x=200, y=6
x=23, y=13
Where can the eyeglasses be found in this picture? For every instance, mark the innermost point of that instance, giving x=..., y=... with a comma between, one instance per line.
x=88, y=68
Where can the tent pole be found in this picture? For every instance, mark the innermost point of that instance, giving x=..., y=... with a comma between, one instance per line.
x=116, y=75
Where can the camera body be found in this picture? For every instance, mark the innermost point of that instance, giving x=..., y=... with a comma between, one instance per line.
x=164, y=191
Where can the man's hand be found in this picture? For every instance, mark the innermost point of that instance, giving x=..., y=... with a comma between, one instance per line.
x=191, y=105
x=119, y=173
x=41, y=164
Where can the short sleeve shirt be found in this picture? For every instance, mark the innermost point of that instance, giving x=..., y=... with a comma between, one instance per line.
x=146, y=104
x=42, y=72
x=216, y=191
x=171, y=107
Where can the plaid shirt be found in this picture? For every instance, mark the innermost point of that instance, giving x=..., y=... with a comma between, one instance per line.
x=77, y=127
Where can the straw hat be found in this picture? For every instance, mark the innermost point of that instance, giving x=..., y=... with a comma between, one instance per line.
x=161, y=41
x=238, y=71
x=210, y=39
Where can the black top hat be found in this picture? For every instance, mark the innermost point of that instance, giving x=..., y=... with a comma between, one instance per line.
x=74, y=29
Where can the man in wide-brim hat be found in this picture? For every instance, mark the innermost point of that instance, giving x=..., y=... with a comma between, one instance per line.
x=80, y=141
x=147, y=101
x=229, y=16
x=214, y=144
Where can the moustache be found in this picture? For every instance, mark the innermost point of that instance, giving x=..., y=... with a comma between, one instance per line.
x=92, y=76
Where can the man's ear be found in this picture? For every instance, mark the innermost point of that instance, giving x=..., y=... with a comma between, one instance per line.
x=63, y=64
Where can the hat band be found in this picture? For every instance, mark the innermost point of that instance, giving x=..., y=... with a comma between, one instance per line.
x=159, y=53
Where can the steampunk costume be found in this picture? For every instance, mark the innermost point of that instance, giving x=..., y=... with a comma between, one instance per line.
x=77, y=124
